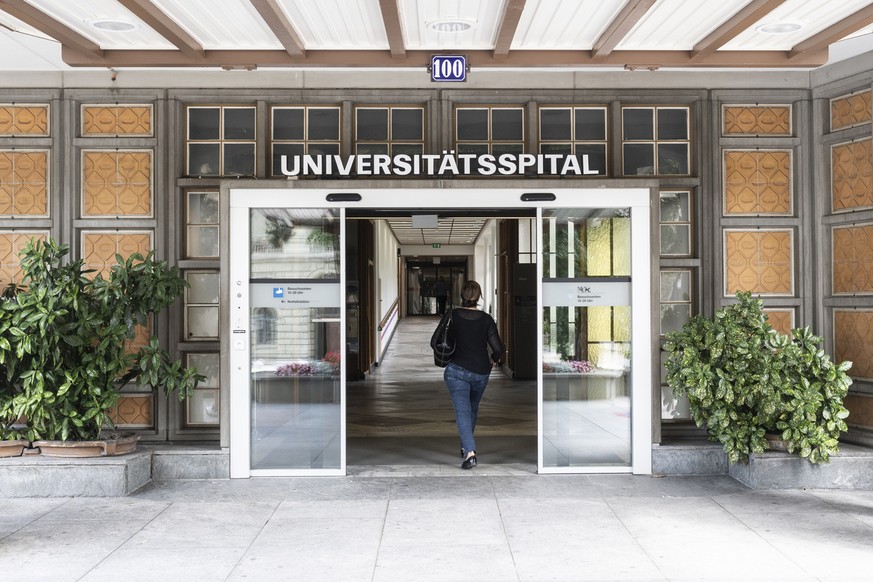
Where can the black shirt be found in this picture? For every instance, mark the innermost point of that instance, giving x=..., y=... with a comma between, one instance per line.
x=474, y=331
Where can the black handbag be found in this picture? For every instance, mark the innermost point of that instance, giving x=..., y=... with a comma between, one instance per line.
x=443, y=342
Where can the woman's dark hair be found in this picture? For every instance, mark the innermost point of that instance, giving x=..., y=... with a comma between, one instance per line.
x=470, y=294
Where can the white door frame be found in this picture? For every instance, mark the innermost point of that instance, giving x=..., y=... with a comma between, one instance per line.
x=235, y=331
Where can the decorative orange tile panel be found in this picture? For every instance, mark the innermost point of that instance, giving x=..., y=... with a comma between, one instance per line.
x=758, y=261
x=851, y=110
x=860, y=410
x=852, y=175
x=757, y=120
x=117, y=120
x=99, y=249
x=133, y=411
x=23, y=119
x=23, y=183
x=11, y=245
x=853, y=259
x=780, y=319
x=117, y=183
x=853, y=340
x=757, y=182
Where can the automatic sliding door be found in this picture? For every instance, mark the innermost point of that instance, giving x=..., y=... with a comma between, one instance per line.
x=586, y=341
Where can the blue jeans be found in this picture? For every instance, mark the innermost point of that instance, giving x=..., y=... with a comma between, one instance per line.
x=466, y=389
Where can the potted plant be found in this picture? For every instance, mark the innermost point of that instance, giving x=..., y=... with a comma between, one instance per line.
x=65, y=344
x=744, y=380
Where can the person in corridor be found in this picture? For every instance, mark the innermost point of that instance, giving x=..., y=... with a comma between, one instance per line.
x=441, y=290
x=466, y=376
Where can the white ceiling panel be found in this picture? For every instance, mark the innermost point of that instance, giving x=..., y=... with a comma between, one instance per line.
x=337, y=24
x=449, y=231
x=13, y=24
x=813, y=16
x=79, y=15
x=219, y=24
x=564, y=24
x=679, y=24
x=417, y=15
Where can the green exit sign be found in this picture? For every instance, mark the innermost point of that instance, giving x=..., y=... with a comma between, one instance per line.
x=436, y=245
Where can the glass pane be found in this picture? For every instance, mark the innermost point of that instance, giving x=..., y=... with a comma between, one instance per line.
x=203, y=407
x=638, y=124
x=555, y=124
x=289, y=150
x=208, y=365
x=672, y=124
x=239, y=159
x=202, y=207
x=590, y=124
x=239, y=123
x=673, y=158
x=203, y=288
x=584, y=242
x=288, y=123
x=410, y=149
x=203, y=159
x=407, y=124
x=202, y=322
x=556, y=148
x=295, y=243
x=639, y=159
x=323, y=149
x=472, y=124
x=675, y=286
x=371, y=148
x=507, y=148
x=472, y=148
x=596, y=156
x=323, y=123
x=204, y=123
x=673, y=317
x=507, y=124
x=675, y=207
x=371, y=124
x=295, y=349
x=675, y=239
x=202, y=241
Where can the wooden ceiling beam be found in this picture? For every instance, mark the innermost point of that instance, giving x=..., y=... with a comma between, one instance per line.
x=146, y=11
x=275, y=18
x=69, y=38
x=393, y=30
x=622, y=24
x=739, y=22
x=833, y=33
x=507, y=25
x=418, y=58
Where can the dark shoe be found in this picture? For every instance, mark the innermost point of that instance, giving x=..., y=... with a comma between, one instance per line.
x=470, y=462
x=463, y=453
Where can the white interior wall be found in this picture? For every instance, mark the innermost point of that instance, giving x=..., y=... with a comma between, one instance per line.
x=484, y=267
x=387, y=293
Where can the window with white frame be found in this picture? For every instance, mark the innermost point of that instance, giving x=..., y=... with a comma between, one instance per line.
x=489, y=130
x=303, y=130
x=202, y=407
x=655, y=141
x=575, y=130
x=201, y=305
x=221, y=141
x=389, y=130
x=675, y=299
x=675, y=218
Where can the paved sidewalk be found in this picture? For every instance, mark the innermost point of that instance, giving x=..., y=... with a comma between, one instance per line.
x=468, y=527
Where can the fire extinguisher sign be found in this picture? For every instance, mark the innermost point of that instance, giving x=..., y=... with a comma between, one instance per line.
x=448, y=68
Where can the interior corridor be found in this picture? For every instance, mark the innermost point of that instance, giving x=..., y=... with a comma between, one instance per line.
x=401, y=414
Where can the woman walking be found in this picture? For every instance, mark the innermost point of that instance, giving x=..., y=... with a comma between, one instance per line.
x=466, y=376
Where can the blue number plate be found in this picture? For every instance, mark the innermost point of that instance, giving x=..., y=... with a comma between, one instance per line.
x=448, y=68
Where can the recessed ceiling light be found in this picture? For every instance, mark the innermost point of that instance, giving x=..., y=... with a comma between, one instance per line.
x=779, y=27
x=450, y=25
x=113, y=25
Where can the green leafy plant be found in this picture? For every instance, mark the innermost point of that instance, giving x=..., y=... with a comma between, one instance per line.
x=743, y=380
x=64, y=343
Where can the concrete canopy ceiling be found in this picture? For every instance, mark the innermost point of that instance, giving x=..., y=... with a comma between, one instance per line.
x=405, y=33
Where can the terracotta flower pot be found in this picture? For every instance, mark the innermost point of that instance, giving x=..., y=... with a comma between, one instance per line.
x=113, y=444
x=13, y=448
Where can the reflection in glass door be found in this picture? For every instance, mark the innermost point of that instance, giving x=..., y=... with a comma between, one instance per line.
x=296, y=350
x=586, y=342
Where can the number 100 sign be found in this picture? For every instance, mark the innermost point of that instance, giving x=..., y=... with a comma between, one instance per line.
x=448, y=68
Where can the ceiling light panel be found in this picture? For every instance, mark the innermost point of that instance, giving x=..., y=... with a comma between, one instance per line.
x=813, y=15
x=337, y=24
x=677, y=25
x=78, y=15
x=416, y=17
x=221, y=24
x=563, y=24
